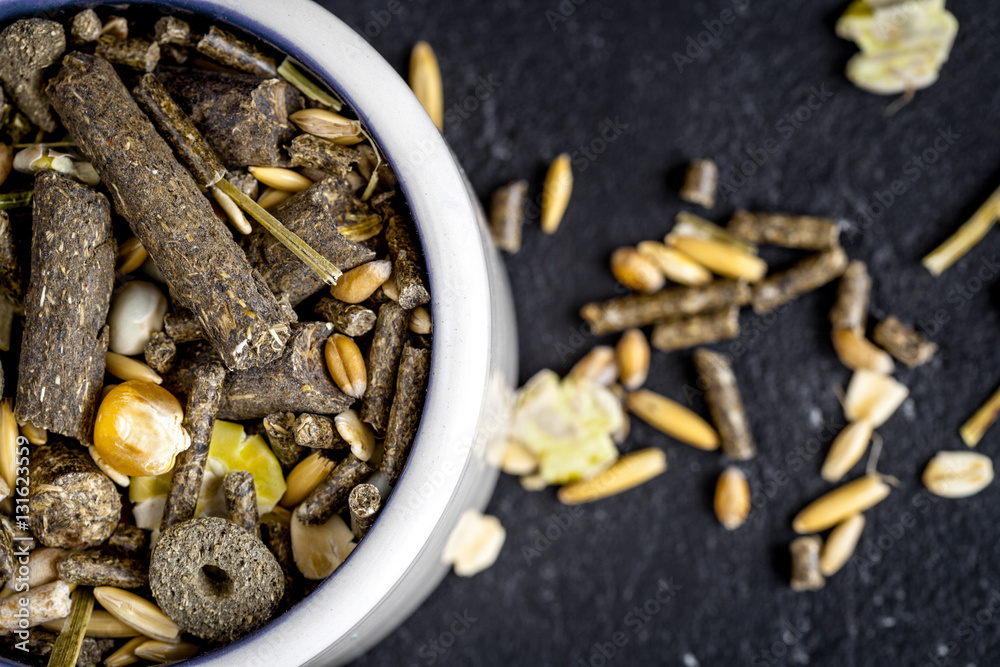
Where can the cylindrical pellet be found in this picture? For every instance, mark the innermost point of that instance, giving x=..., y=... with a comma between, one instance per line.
x=172, y=30
x=407, y=405
x=168, y=213
x=903, y=342
x=135, y=53
x=639, y=310
x=278, y=428
x=316, y=432
x=73, y=505
x=241, y=499
x=7, y=564
x=308, y=150
x=160, y=353
x=128, y=540
x=803, y=232
x=277, y=537
x=229, y=50
x=723, y=397
x=383, y=360
x=347, y=318
x=199, y=419
x=331, y=495
x=507, y=215
x=182, y=327
x=700, y=182
x=850, y=311
x=65, y=339
x=802, y=277
x=684, y=332
x=86, y=26
x=407, y=263
x=364, y=503
x=806, y=575
x=94, y=568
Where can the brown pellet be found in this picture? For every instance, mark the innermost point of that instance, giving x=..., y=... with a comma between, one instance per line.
x=684, y=332
x=851, y=308
x=411, y=385
x=806, y=575
x=788, y=231
x=507, y=215
x=316, y=432
x=182, y=326
x=229, y=50
x=330, y=496
x=700, y=182
x=903, y=342
x=160, y=353
x=241, y=499
x=308, y=150
x=347, y=318
x=93, y=568
x=364, y=503
x=722, y=395
x=86, y=26
x=278, y=428
x=802, y=277
x=127, y=540
x=383, y=360
x=172, y=30
x=277, y=537
x=135, y=53
x=639, y=310
x=407, y=263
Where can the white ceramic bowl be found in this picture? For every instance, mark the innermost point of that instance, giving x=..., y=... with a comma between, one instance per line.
x=473, y=365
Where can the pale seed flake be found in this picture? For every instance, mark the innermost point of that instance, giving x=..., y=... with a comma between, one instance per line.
x=632, y=353
x=847, y=449
x=425, y=82
x=626, y=473
x=556, y=193
x=35, y=435
x=857, y=352
x=361, y=282
x=474, y=544
x=635, y=271
x=232, y=211
x=326, y=124
x=873, y=397
x=356, y=433
x=271, y=197
x=420, y=321
x=732, y=498
x=958, y=474
x=138, y=612
x=840, y=544
x=837, y=505
x=672, y=418
x=319, y=549
x=126, y=654
x=674, y=264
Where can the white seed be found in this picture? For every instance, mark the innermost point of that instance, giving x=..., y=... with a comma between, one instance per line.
x=732, y=498
x=138, y=612
x=847, y=449
x=598, y=366
x=556, y=193
x=136, y=313
x=674, y=264
x=361, y=282
x=632, y=354
x=517, y=459
x=840, y=544
x=35, y=435
x=958, y=474
x=420, y=321
x=844, y=501
x=127, y=368
x=635, y=271
x=319, y=549
x=358, y=434
x=628, y=472
x=232, y=211
x=873, y=397
x=474, y=544
x=281, y=178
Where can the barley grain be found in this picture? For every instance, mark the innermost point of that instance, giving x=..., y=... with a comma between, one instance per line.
x=830, y=509
x=361, y=282
x=280, y=178
x=674, y=264
x=127, y=368
x=847, y=449
x=672, y=418
x=556, y=193
x=632, y=353
x=137, y=612
x=732, y=498
x=635, y=271
x=840, y=544
x=425, y=81
x=626, y=473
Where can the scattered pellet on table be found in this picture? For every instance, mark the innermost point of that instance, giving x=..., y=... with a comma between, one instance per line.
x=407, y=405
x=684, y=332
x=86, y=26
x=802, y=232
x=722, y=395
x=407, y=263
x=507, y=215
x=63, y=351
x=241, y=499
x=136, y=53
x=806, y=575
x=242, y=117
x=316, y=432
x=313, y=214
x=214, y=579
x=160, y=353
x=127, y=540
x=199, y=418
x=93, y=568
x=364, y=503
x=231, y=51
x=172, y=30
x=700, y=181
x=383, y=360
x=802, y=277
x=850, y=311
x=278, y=428
x=27, y=48
x=94, y=104
x=903, y=342
x=308, y=150
x=347, y=318
x=639, y=310
x=331, y=495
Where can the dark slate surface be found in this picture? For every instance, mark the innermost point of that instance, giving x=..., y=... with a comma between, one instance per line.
x=927, y=591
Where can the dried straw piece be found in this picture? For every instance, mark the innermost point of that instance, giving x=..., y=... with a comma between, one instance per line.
x=94, y=104
x=507, y=215
x=241, y=499
x=850, y=312
x=425, y=81
x=556, y=193
x=958, y=474
x=203, y=404
x=349, y=319
x=722, y=395
x=407, y=263
x=672, y=418
x=330, y=496
x=364, y=503
x=628, y=472
x=135, y=53
x=840, y=544
x=316, y=432
x=229, y=50
x=383, y=361
x=62, y=359
x=683, y=332
x=800, y=278
x=278, y=427
x=700, y=182
x=903, y=342
x=642, y=309
x=407, y=405
x=732, y=498
x=975, y=428
x=806, y=575
x=635, y=271
x=839, y=504
x=802, y=232
x=968, y=235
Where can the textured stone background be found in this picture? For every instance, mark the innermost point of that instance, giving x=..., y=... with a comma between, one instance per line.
x=927, y=591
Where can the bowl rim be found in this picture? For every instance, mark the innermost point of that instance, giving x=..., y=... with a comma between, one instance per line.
x=449, y=450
